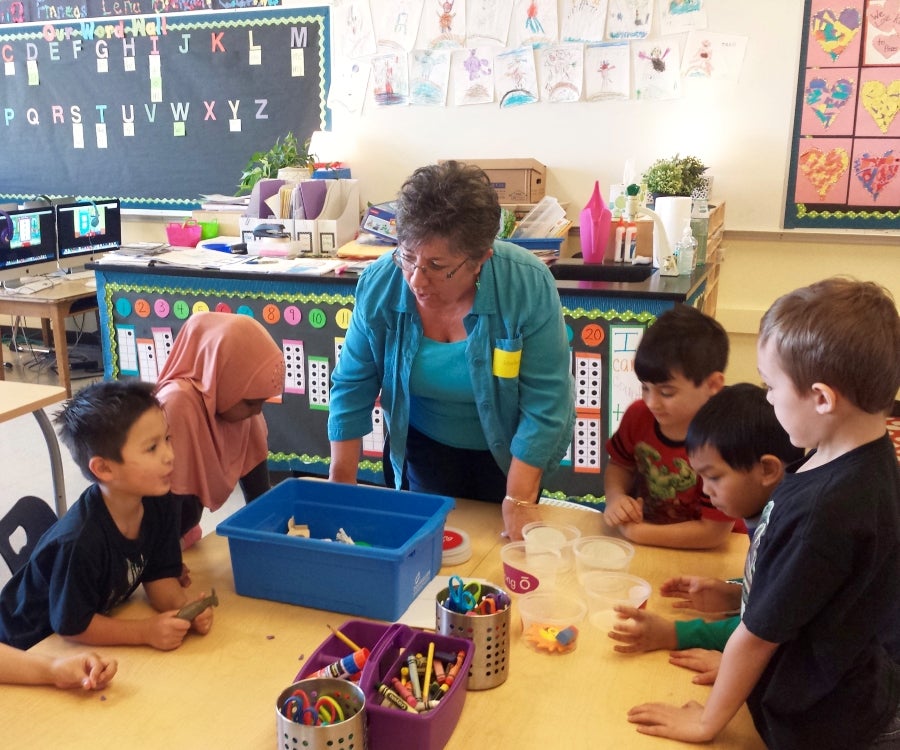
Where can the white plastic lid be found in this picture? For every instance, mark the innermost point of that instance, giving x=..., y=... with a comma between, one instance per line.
x=457, y=547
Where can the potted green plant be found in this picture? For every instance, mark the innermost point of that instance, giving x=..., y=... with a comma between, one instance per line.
x=679, y=175
x=286, y=152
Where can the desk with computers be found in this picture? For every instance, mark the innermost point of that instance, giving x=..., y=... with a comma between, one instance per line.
x=47, y=239
x=44, y=245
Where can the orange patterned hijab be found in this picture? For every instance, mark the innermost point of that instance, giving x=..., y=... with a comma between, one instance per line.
x=217, y=360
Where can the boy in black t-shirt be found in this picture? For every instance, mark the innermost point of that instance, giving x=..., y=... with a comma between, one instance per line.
x=122, y=532
x=817, y=654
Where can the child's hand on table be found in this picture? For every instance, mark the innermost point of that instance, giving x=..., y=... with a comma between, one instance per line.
x=700, y=660
x=703, y=594
x=637, y=630
x=677, y=723
x=623, y=509
x=89, y=671
x=166, y=631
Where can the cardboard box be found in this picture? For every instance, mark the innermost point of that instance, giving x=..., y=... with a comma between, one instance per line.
x=515, y=180
x=404, y=531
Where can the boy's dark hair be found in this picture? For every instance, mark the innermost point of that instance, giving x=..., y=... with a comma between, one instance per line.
x=840, y=332
x=96, y=420
x=740, y=423
x=682, y=341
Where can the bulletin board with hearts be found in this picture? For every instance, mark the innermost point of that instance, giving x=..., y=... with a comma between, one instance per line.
x=845, y=157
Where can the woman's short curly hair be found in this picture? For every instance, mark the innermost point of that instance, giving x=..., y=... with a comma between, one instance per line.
x=449, y=200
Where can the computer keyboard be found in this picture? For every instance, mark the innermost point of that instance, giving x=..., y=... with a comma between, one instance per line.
x=79, y=276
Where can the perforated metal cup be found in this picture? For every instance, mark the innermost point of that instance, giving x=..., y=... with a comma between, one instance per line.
x=349, y=734
x=489, y=634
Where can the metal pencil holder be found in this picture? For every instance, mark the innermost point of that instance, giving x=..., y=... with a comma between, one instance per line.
x=489, y=633
x=349, y=734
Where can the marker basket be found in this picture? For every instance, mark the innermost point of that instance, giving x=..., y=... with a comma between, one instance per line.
x=349, y=734
x=389, y=728
x=489, y=633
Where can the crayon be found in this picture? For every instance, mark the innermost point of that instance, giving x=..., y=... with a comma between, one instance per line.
x=395, y=700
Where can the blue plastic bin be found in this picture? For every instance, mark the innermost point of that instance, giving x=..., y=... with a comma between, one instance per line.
x=404, y=529
x=538, y=243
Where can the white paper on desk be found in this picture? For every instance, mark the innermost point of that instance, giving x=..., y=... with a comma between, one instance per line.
x=258, y=264
x=198, y=257
x=421, y=613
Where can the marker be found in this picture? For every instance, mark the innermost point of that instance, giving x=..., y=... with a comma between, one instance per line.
x=454, y=669
x=414, y=676
x=404, y=692
x=344, y=639
x=394, y=699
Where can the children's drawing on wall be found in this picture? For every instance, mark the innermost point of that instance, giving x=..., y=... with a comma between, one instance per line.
x=834, y=34
x=607, y=71
x=560, y=72
x=584, y=20
x=628, y=19
x=444, y=23
x=473, y=75
x=883, y=33
x=429, y=76
x=349, y=81
x=515, y=77
x=656, y=69
x=487, y=22
x=713, y=56
x=396, y=23
x=876, y=164
x=391, y=79
x=879, y=102
x=824, y=171
x=676, y=16
x=352, y=28
x=534, y=22
x=827, y=94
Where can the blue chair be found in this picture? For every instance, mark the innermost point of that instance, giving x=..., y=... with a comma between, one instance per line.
x=32, y=515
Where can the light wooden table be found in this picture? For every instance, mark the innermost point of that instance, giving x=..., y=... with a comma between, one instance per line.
x=55, y=304
x=220, y=690
x=17, y=399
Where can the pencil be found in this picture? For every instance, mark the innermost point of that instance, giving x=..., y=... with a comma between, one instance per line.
x=344, y=639
x=429, y=661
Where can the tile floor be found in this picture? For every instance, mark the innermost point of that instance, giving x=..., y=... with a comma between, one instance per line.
x=26, y=465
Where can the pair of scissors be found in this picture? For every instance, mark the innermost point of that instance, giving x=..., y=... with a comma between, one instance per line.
x=297, y=708
x=463, y=597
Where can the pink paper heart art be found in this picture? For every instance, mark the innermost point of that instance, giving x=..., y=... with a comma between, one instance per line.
x=835, y=31
x=824, y=168
x=876, y=172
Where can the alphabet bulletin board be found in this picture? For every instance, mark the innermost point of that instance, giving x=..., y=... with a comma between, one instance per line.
x=156, y=110
x=845, y=159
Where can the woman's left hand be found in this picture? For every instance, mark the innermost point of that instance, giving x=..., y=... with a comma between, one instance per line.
x=516, y=516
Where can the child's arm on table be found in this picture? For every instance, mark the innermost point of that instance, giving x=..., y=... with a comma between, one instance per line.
x=704, y=661
x=87, y=670
x=638, y=630
x=703, y=594
x=700, y=534
x=621, y=507
x=744, y=660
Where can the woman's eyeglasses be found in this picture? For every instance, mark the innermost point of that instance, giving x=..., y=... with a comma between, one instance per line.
x=408, y=265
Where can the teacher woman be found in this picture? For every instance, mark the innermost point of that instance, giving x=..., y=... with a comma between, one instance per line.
x=463, y=337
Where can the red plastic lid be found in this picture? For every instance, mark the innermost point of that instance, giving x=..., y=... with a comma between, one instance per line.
x=457, y=547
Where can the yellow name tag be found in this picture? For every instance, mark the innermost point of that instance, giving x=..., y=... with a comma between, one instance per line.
x=506, y=364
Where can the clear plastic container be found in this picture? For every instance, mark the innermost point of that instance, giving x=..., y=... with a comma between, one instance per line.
x=700, y=228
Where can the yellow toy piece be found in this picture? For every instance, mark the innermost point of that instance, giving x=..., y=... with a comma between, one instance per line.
x=552, y=639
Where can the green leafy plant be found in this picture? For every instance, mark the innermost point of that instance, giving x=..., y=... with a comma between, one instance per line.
x=285, y=152
x=680, y=175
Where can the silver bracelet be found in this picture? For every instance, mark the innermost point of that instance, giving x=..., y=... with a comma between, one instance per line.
x=519, y=503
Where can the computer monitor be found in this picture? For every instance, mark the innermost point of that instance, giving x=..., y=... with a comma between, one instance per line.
x=27, y=243
x=87, y=229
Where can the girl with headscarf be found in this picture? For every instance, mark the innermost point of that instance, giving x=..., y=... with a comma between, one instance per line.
x=221, y=369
